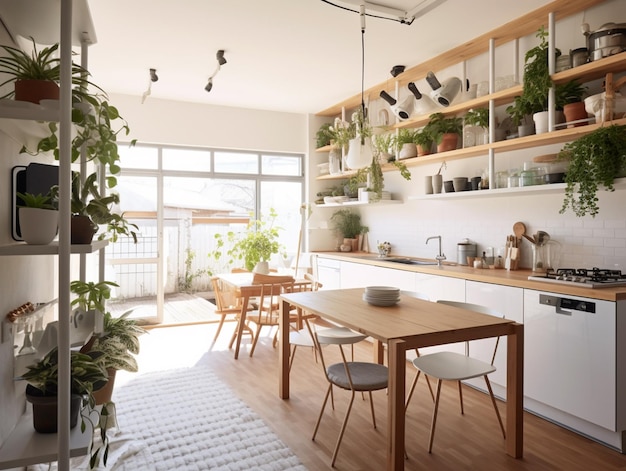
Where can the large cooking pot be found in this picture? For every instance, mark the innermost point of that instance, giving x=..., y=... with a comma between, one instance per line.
x=609, y=39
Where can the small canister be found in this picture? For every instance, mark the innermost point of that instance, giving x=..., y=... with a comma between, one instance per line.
x=465, y=249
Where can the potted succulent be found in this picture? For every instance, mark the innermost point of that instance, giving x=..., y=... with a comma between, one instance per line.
x=594, y=159
x=347, y=224
x=446, y=131
x=254, y=246
x=38, y=217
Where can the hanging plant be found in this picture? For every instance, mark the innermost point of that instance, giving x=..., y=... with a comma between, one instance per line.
x=594, y=159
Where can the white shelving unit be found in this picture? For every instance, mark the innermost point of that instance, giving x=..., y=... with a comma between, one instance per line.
x=22, y=248
x=69, y=23
x=358, y=203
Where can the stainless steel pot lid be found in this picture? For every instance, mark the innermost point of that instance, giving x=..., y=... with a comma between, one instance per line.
x=608, y=28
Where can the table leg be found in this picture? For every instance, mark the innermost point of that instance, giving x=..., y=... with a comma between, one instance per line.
x=515, y=392
x=283, y=350
x=241, y=324
x=379, y=352
x=397, y=380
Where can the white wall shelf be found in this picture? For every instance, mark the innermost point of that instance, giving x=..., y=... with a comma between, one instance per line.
x=25, y=446
x=559, y=188
x=22, y=248
x=357, y=203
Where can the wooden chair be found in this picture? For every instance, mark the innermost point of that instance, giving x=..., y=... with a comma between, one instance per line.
x=457, y=367
x=267, y=313
x=226, y=305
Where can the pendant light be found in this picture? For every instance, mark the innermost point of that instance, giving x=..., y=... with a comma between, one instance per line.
x=360, y=153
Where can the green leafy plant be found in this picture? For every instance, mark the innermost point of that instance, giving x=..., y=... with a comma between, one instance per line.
x=568, y=92
x=438, y=125
x=324, y=135
x=402, y=168
x=477, y=117
x=43, y=64
x=342, y=132
x=87, y=200
x=347, y=223
x=404, y=136
x=185, y=281
x=257, y=243
x=91, y=295
x=383, y=143
x=520, y=111
x=40, y=201
x=119, y=343
x=594, y=159
x=537, y=81
x=87, y=374
x=423, y=138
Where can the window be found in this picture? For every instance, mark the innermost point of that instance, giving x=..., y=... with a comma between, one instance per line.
x=202, y=192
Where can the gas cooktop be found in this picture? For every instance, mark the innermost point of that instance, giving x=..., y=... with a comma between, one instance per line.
x=594, y=278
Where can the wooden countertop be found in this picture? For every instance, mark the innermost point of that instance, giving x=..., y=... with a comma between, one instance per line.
x=515, y=278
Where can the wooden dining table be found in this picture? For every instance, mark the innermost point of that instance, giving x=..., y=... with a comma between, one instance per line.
x=410, y=324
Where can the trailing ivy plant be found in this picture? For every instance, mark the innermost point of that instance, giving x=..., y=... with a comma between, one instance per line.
x=594, y=159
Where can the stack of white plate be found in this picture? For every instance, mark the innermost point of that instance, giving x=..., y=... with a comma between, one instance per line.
x=386, y=195
x=381, y=295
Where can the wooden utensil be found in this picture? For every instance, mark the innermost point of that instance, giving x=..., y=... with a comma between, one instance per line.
x=519, y=229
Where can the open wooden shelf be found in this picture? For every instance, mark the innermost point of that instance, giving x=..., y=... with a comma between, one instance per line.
x=22, y=248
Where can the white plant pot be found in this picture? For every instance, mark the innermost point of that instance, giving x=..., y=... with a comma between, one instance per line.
x=262, y=267
x=407, y=151
x=38, y=226
x=541, y=122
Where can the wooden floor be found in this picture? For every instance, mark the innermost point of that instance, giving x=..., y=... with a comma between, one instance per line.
x=469, y=442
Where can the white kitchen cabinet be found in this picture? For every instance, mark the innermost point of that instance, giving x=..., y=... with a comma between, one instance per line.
x=329, y=273
x=440, y=287
x=358, y=275
x=573, y=369
x=510, y=302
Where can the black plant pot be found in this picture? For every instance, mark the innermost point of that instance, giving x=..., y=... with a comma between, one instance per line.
x=45, y=410
x=82, y=230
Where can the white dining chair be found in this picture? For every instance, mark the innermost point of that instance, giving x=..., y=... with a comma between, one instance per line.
x=457, y=367
x=352, y=376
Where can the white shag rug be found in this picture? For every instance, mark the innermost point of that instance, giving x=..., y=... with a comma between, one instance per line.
x=187, y=419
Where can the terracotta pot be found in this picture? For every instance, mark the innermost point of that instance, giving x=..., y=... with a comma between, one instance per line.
x=449, y=141
x=45, y=410
x=423, y=150
x=82, y=230
x=36, y=90
x=574, y=112
x=104, y=394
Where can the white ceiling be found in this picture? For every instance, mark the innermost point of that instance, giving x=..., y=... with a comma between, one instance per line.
x=286, y=55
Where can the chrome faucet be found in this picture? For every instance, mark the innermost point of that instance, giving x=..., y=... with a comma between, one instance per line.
x=440, y=256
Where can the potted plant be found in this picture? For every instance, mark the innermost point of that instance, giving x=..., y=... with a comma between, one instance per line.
x=521, y=116
x=446, y=131
x=254, y=246
x=405, y=143
x=324, y=135
x=39, y=218
x=87, y=375
x=347, y=224
x=90, y=209
x=594, y=159
x=119, y=340
x=424, y=141
x=476, y=127
x=569, y=98
x=383, y=146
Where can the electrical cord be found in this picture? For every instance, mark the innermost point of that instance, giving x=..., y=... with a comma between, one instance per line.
x=401, y=21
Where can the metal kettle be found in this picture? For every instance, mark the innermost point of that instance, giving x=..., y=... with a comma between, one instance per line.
x=465, y=249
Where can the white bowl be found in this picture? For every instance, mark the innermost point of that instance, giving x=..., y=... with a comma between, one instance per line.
x=596, y=105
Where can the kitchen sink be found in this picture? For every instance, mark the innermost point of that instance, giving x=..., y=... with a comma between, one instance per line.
x=404, y=260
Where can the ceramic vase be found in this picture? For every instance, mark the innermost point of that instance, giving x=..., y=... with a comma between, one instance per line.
x=428, y=184
x=437, y=182
x=38, y=226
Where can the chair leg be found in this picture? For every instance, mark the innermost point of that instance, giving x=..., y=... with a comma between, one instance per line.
x=319, y=418
x=413, y=384
x=461, y=397
x=343, y=429
x=434, y=422
x=292, y=356
x=495, y=406
x=256, y=339
x=372, y=408
x=219, y=328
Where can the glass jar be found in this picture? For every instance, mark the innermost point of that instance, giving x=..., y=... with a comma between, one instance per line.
x=334, y=161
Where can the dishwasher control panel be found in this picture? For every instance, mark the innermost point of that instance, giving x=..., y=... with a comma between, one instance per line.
x=568, y=303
